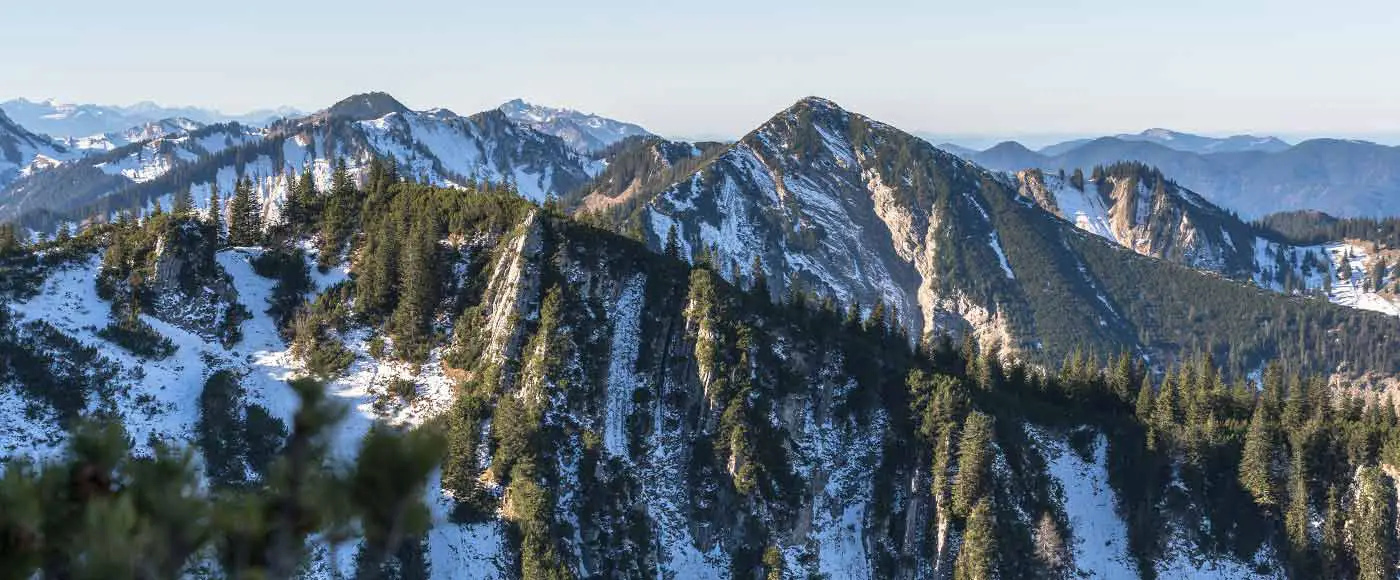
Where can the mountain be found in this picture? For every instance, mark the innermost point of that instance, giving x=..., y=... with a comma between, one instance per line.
x=76, y=121
x=1343, y=178
x=437, y=146
x=612, y=412
x=23, y=152
x=959, y=150
x=1007, y=154
x=823, y=201
x=144, y=132
x=1142, y=210
x=1186, y=142
x=1201, y=144
x=584, y=132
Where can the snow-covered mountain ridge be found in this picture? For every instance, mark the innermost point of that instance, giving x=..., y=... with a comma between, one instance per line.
x=1140, y=209
x=78, y=121
x=583, y=132
x=436, y=146
x=829, y=202
x=23, y=153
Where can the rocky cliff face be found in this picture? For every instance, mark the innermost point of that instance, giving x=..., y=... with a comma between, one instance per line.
x=1140, y=209
x=191, y=290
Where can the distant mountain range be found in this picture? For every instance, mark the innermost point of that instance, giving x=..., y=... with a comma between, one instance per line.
x=1185, y=142
x=1251, y=175
x=74, y=121
x=584, y=132
x=436, y=145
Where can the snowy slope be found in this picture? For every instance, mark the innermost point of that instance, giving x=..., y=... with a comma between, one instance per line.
x=1100, y=544
x=160, y=399
x=145, y=132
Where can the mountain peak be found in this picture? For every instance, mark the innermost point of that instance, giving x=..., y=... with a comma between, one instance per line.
x=817, y=103
x=367, y=106
x=1008, y=147
x=1160, y=133
x=816, y=100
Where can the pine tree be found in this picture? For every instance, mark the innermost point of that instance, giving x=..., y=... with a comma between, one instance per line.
x=974, y=463
x=977, y=556
x=1256, y=464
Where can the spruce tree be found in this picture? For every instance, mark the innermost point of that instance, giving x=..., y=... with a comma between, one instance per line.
x=1295, y=521
x=216, y=213
x=977, y=556
x=974, y=463
x=1334, y=552
x=1164, y=414
x=1121, y=379
x=245, y=216
x=760, y=279
x=673, y=243
x=419, y=289
x=1144, y=400
x=1256, y=464
x=184, y=202
x=1372, y=528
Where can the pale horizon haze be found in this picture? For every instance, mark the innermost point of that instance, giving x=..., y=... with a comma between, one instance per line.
x=969, y=70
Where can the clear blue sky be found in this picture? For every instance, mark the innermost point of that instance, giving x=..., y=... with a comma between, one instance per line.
x=1009, y=67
